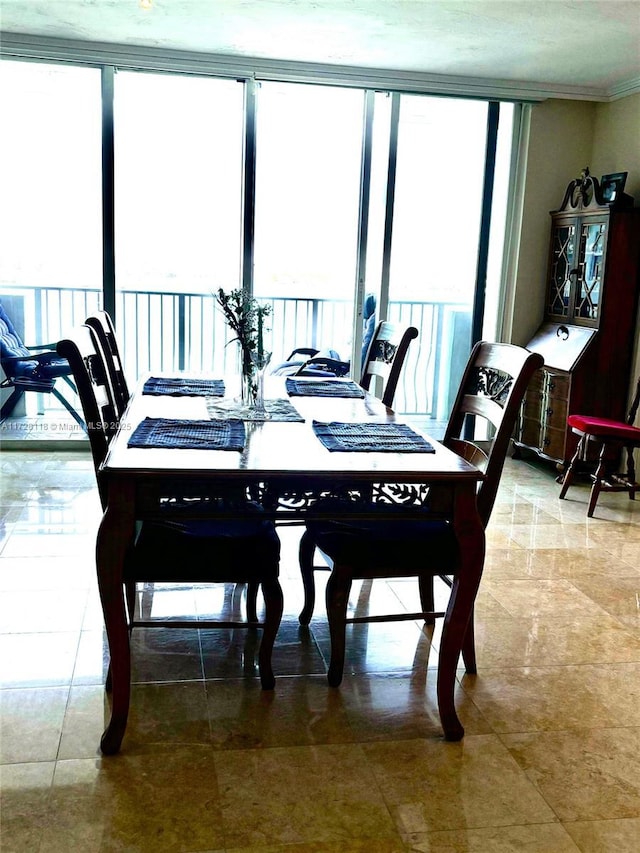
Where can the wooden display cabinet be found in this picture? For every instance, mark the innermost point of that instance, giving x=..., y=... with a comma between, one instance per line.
x=590, y=320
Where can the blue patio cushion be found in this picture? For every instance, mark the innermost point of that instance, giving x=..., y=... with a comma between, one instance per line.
x=369, y=317
x=20, y=363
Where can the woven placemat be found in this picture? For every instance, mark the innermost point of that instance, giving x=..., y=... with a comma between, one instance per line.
x=189, y=435
x=371, y=437
x=322, y=388
x=183, y=387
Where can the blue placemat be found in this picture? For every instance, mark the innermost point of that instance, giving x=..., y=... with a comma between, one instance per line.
x=189, y=435
x=390, y=438
x=183, y=387
x=322, y=388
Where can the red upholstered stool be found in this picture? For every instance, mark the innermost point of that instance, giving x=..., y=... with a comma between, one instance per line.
x=610, y=435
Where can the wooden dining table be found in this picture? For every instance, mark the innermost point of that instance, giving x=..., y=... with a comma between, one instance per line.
x=287, y=470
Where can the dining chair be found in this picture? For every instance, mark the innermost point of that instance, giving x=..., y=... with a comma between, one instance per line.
x=102, y=325
x=31, y=368
x=613, y=436
x=104, y=330
x=489, y=397
x=189, y=550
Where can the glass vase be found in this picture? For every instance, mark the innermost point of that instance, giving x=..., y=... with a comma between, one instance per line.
x=253, y=389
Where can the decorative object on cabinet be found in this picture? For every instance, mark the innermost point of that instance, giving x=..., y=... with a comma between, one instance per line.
x=612, y=186
x=587, y=334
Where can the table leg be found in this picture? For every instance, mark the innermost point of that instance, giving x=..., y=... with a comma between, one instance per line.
x=471, y=541
x=114, y=536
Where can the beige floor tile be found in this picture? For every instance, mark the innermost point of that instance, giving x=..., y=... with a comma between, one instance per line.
x=618, y=596
x=299, y=712
x=316, y=794
x=345, y=845
x=541, y=838
x=31, y=723
x=557, y=698
x=606, y=836
x=591, y=774
x=24, y=797
x=165, y=802
x=219, y=766
x=433, y=785
x=535, y=641
x=37, y=660
x=556, y=600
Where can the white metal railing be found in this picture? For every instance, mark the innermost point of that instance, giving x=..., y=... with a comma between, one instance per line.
x=165, y=331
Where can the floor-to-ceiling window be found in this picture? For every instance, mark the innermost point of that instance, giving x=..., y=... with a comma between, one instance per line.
x=312, y=196
x=308, y=159
x=50, y=210
x=178, y=180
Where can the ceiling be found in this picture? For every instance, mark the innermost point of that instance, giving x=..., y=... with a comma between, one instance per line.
x=586, y=46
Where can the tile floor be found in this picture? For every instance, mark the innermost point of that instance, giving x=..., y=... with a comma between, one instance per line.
x=209, y=763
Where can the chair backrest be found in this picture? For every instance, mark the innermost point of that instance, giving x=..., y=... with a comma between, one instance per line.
x=104, y=329
x=85, y=355
x=385, y=357
x=492, y=388
x=368, y=326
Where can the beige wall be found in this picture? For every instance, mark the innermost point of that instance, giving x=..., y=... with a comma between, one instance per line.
x=566, y=136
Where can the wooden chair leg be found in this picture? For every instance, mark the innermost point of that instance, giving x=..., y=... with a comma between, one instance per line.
x=338, y=589
x=306, y=553
x=130, y=598
x=598, y=479
x=252, y=602
x=273, y=606
x=469, y=648
x=427, y=600
x=631, y=474
x=569, y=473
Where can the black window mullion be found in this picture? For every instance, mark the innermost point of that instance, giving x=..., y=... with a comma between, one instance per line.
x=485, y=222
x=249, y=184
x=108, y=193
x=391, y=192
x=363, y=221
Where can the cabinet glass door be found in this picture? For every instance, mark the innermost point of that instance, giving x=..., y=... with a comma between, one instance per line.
x=562, y=266
x=592, y=243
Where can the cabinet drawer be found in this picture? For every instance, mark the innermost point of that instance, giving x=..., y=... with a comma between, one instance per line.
x=558, y=385
x=555, y=413
x=529, y=432
x=552, y=444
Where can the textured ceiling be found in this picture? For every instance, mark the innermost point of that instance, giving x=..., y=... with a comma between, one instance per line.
x=567, y=43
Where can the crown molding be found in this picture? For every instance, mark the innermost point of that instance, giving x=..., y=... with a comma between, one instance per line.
x=623, y=90
x=25, y=46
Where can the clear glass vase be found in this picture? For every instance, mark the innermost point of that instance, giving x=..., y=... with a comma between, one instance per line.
x=252, y=393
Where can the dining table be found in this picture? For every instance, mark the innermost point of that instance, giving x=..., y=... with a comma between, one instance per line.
x=189, y=449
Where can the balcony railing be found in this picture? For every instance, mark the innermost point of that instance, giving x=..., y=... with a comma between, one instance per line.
x=162, y=331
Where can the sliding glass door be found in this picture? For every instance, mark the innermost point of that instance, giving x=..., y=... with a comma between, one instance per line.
x=50, y=208
x=308, y=160
x=178, y=182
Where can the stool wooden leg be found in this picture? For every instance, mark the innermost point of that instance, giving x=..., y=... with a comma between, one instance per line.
x=568, y=475
x=598, y=479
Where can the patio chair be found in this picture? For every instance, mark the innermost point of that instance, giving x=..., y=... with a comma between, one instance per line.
x=307, y=361
x=189, y=550
x=492, y=388
x=31, y=368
